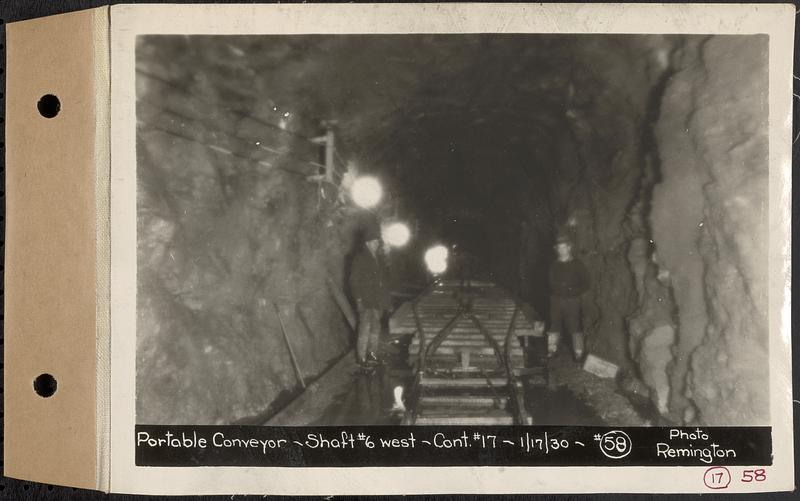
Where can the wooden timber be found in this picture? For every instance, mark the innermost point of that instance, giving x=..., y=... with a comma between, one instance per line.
x=468, y=350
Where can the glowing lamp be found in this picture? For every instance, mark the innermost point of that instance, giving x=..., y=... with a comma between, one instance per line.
x=396, y=234
x=436, y=259
x=366, y=192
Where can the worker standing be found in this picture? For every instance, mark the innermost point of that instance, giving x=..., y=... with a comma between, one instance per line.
x=370, y=292
x=569, y=279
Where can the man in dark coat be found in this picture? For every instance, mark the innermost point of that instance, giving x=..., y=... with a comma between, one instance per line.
x=368, y=286
x=569, y=279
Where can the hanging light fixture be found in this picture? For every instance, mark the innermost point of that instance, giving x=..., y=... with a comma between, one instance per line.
x=366, y=192
x=396, y=234
x=436, y=259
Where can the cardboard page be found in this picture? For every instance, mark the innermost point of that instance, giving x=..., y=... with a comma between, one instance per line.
x=210, y=254
x=50, y=306
x=213, y=107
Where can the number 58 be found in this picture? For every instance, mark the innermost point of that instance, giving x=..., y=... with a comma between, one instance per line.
x=758, y=475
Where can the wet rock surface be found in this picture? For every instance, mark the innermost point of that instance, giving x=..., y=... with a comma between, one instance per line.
x=710, y=221
x=226, y=244
x=668, y=211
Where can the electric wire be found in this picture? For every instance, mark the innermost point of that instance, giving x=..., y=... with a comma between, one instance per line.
x=235, y=112
x=220, y=149
x=234, y=138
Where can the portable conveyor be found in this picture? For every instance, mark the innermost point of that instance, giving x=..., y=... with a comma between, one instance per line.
x=473, y=349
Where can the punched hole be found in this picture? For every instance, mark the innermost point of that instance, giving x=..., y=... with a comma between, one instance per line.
x=45, y=385
x=49, y=106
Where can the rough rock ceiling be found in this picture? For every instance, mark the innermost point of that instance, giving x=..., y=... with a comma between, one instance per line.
x=424, y=110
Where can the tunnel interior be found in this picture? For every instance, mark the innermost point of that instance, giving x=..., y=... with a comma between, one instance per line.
x=650, y=152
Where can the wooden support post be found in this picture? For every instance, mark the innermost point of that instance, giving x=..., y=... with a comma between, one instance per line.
x=303, y=320
x=510, y=337
x=330, y=151
x=289, y=345
x=423, y=348
x=341, y=301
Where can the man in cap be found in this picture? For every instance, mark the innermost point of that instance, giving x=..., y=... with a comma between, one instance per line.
x=369, y=289
x=569, y=279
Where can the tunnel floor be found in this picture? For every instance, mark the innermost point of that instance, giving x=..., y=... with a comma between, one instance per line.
x=347, y=396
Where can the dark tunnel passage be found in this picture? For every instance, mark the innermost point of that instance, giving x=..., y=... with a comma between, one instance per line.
x=493, y=145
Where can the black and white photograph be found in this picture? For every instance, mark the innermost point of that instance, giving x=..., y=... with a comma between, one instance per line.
x=452, y=229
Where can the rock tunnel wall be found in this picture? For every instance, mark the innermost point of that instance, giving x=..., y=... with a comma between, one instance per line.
x=709, y=221
x=601, y=160
x=661, y=180
x=230, y=232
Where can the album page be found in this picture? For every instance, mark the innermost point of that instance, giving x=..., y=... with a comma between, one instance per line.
x=450, y=248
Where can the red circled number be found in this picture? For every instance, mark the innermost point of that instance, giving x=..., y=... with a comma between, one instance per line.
x=717, y=477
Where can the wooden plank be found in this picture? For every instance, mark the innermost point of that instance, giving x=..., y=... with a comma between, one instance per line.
x=459, y=333
x=311, y=405
x=472, y=369
x=463, y=401
x=341, y=301
x=448, y=350
x=469, y=382
x=468, y=342
x=296, y=366
x=439, y=323
x=464, y=412
x=476, y=353
x=453, y=348
x=466, y=421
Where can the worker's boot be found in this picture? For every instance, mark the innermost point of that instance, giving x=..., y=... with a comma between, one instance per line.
x=398, y=406
x=578, y=346
x=552, y=342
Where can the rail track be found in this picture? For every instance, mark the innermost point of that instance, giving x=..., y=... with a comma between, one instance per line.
x=473, y=350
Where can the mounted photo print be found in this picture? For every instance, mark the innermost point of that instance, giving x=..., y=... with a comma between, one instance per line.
x=408, y=249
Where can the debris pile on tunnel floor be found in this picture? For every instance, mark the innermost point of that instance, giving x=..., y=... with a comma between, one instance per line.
x=602, y=395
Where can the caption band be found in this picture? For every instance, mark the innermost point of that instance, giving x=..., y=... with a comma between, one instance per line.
x=450, y=446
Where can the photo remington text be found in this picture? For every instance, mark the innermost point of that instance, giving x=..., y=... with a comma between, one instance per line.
x=705, y=450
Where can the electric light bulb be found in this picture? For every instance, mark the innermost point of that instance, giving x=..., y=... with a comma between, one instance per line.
x=396, y=234
x=366, y=192
x=436, y=259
